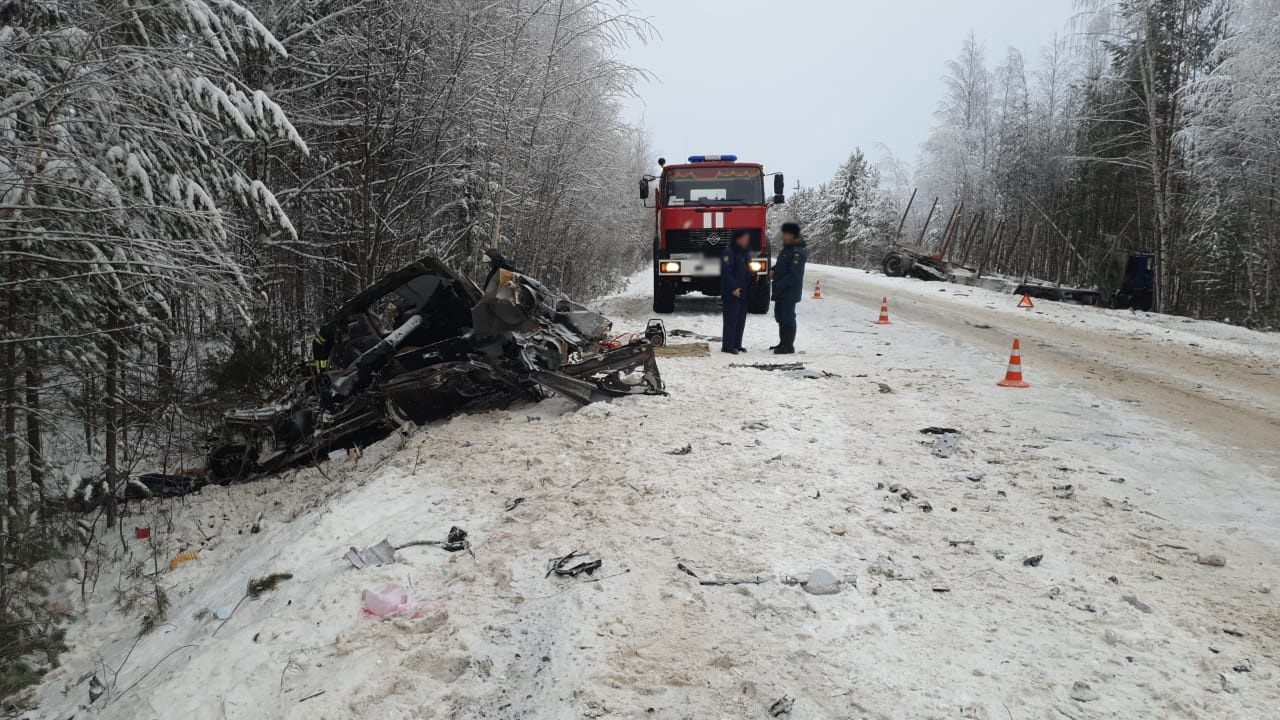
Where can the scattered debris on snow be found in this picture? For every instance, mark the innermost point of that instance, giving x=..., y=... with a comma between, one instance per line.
x=1135, y=602
x=771, y=367
x=1082, y=692
x=945, y=445
x=782, y=706
x=821, y=582
x=884, y=566
x=565, y=565
x=690, y=334
x=391, y=600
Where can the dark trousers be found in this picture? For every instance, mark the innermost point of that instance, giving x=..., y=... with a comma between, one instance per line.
x=785, y=313
x=735, y=321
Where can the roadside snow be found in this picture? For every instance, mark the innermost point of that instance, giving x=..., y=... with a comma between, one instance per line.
x=1218, y=337
x=938, y=615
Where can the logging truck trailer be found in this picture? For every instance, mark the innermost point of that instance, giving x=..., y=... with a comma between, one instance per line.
x=910, y=260
x=700, y=206
x=904, y=260
x=1044, y=290
x=1135, y=292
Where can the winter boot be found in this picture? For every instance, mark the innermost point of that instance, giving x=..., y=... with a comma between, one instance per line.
x=787, y=346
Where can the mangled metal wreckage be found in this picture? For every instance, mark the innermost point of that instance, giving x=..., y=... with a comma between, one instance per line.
x=424, y=343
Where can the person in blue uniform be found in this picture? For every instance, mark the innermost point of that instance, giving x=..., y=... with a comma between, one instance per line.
x=735, y=280
x=788, y=286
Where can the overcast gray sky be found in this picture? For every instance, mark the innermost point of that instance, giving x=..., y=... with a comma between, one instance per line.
x=797, y=85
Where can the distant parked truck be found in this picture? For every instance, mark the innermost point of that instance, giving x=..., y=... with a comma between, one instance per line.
x=1135, y=287
x=699, y=207
x=1138, y=284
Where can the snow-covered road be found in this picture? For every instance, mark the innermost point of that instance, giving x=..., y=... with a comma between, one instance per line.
x=1221, y=381
x=1117, y=485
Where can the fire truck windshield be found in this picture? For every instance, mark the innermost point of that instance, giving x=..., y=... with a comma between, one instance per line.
x=713, y=185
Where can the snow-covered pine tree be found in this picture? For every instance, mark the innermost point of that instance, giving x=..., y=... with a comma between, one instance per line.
x=850, y=218
x=120, y=196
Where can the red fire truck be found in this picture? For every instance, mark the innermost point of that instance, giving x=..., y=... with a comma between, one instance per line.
x=698, y=208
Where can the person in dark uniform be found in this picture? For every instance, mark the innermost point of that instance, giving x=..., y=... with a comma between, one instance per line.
x=788, y=286
x=734, y=281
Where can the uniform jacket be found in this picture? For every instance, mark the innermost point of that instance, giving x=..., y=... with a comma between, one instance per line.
x=788, y=273
x=734, y=274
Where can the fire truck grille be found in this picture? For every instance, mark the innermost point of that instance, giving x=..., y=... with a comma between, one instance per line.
x=707, y=242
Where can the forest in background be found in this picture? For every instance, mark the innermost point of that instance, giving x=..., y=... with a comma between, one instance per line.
x=186, y=186
x=1147, y=126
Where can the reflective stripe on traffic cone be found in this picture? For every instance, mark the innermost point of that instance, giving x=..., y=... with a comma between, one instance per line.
x=817, y=291
x=1013, y=376
x=884, y=313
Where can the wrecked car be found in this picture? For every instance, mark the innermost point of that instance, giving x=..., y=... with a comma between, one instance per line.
x=424, y=343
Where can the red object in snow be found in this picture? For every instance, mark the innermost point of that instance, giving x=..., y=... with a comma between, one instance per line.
x=142, y=533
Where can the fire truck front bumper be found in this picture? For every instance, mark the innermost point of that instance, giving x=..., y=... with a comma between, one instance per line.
x=689, y=266
x=697, y=266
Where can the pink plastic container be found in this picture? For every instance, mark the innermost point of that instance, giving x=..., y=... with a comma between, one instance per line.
x=393, y=599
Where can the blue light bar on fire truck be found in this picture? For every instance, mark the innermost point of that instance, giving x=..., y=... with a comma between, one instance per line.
x=712, y=158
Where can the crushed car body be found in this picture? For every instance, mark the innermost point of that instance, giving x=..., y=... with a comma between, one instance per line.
x=424, y=343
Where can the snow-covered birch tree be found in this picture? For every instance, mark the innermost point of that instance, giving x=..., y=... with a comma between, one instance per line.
x=1232, y=136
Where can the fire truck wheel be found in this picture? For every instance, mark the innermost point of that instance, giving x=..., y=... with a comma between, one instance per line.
x=664, y=298
x=894, y=265
x=758, y=298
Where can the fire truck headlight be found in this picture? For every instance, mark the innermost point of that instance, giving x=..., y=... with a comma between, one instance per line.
x=670, y=267
x=756, y=266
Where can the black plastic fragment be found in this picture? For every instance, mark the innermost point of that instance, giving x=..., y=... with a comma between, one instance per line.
x=561, y=566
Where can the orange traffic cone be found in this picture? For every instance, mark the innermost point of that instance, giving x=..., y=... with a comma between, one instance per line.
x=817, y=291
x=1025, y=302
x=1013, y=377
x=884, y=313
